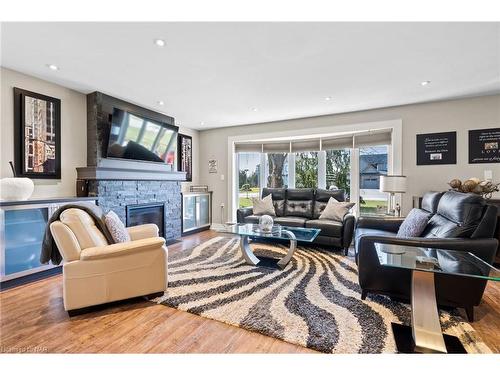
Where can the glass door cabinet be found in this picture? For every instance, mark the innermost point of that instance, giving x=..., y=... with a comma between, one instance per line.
x=196, y=211
x=22, y=228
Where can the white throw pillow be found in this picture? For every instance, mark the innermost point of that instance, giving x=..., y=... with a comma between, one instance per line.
x=116, y=227
x=336, y=210
x=263, y=206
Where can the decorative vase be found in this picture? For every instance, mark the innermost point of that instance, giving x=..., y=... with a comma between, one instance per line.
x=266, y=223
x=16, y=188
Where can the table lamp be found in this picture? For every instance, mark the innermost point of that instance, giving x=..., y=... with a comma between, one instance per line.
x=393, y=184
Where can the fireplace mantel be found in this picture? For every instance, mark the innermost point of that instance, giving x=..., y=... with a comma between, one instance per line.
x=96, y=173
x=114, y=169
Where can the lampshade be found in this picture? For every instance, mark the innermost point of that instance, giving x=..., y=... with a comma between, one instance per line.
x=393, y=184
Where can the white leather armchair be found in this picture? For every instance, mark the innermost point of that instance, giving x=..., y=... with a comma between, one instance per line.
x=95, y=272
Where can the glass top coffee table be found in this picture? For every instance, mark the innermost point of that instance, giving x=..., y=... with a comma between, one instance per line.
x=278, y=232
x=425, y=335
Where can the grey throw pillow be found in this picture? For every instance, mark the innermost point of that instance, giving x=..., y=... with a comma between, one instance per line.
x=263, y=206
x=116, y=227
x=414, y=224
x=336, y=210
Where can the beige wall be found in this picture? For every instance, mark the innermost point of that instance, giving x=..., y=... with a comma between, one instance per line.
x=460, y=115
x=73, y=132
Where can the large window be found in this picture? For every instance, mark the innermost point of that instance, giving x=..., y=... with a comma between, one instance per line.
x=277, y=170
x=338, y=170
x=248, y=178
x=352, y=162
x=372, y=164
x=306, y=169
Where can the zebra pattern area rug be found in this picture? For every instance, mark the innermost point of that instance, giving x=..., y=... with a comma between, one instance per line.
x=314, y=302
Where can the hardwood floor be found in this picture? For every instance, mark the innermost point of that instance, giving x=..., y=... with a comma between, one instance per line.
x=32, y=319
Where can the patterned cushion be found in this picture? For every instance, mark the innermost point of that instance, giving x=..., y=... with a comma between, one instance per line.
x=336, y=210
x=116, y=227
x=414, y=224
x=263, y=206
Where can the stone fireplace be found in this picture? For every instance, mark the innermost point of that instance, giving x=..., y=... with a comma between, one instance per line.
x=127, y=185
x=118, y=196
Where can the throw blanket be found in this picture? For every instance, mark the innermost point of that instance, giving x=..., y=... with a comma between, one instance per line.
x=50, y=252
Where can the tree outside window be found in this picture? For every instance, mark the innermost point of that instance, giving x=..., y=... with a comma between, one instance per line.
x=278, y=170
x=338, y=170
x=306, y=169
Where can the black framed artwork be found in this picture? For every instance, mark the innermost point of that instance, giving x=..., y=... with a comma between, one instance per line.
x=437, y=148
x=37, y=135
x=185, y=155
x=484, y=146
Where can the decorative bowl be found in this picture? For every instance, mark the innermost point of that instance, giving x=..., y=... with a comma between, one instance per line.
x=16, y=188
x=266, y=223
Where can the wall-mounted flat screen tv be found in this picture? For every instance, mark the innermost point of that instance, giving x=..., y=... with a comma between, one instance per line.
x=138, y=138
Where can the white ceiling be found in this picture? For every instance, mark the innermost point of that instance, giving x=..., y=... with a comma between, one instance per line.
x=216, y=73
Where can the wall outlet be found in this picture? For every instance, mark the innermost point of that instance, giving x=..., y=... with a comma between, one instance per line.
x=222, y=212
x=222, y=177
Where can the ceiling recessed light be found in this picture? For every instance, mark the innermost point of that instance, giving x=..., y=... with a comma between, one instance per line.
x=255, y=109
x=328, y=98
x=202, y=123
x=425, y=83
x=160, y=102
x=52, y=67
x=160, y=42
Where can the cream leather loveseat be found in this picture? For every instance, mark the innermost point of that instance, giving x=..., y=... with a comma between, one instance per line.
x=95, y=272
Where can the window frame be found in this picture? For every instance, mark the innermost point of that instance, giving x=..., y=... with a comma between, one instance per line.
x=394, y=156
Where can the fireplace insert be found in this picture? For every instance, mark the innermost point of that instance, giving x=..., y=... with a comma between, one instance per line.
x=149, y=213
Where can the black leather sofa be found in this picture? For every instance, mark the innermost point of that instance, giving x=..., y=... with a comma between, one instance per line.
x=459, y=221
x=302, y=208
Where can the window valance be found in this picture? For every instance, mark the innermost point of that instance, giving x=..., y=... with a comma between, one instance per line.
x=361, y=139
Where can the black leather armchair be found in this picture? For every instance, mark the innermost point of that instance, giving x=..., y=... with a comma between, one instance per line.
x=460, y=222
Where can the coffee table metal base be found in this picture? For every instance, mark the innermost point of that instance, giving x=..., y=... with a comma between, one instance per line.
x=425, y=335
x=251, y=259
x=405, y=345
